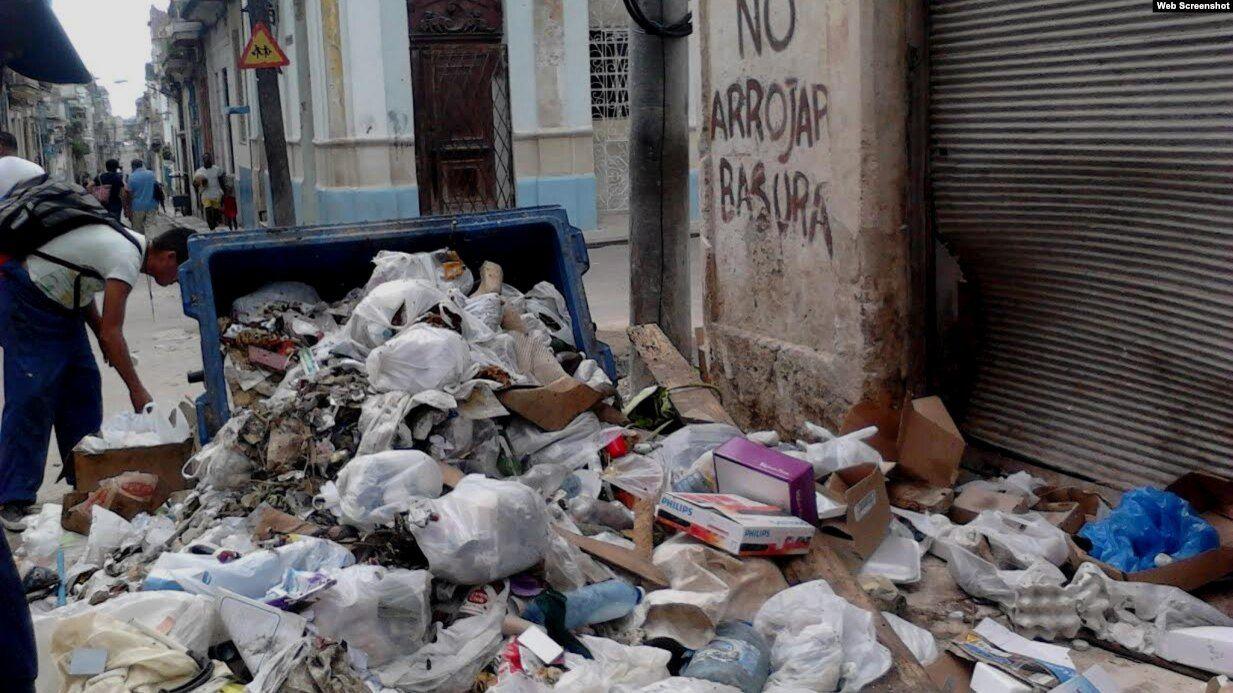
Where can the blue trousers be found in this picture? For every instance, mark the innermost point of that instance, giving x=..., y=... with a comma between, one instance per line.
x=50, y=381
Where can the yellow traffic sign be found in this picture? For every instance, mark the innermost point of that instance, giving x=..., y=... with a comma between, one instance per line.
x=263, y=51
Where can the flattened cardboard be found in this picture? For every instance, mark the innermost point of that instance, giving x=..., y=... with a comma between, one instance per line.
x=1212, y=498
x=737, y=525
x=618, y=556
x=745, y=468
x=552, y=406
x=930, y=445
x=863, y=490
x=973, y=501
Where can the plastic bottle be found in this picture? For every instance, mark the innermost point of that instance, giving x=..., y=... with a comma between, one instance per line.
x=738, y=656
x=596, y=512
x=545, y=478
x=598, y=603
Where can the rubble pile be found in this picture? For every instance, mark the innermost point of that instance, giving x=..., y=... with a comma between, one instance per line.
x=425, y=486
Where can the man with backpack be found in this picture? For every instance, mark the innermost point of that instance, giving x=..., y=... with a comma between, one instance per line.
x=109, y=188
x=58, y=248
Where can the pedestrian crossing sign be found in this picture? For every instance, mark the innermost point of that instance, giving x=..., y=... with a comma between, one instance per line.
x=263, y=51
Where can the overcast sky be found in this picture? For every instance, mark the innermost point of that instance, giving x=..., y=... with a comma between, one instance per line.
x=113, y=40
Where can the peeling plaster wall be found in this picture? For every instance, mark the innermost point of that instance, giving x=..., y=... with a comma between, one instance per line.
x=804, y=168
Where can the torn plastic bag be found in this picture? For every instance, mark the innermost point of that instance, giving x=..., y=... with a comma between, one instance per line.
x=373, y=489
x=833, y=453
x=443, y=268
x=566, y=567
x=108, y=532
x=156, y=424
x=485, y=308
x=249, y=307
x=920, y=641
x=547, y=304
x=385, y=311
x=708, y=586
x=420, y=358
x=640, y=475
x=590, y=372
x=681, y=684
x=1148, y=523
x=252, y=575
x=384, y=612
x=575, y=446
x=796, y=621
x=472, y=445
x=485, y=530
x=308, y=665
x=220, y=464
x=451, y=662
x=613, y=668
x=382, y=420
x=154, y=530
x=1017, y=539
x=679, y=450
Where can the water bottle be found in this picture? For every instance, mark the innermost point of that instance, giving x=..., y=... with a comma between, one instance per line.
x=738, y=656
x=598, y=603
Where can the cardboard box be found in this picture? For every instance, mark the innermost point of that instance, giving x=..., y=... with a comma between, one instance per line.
x=1066, y=507
x=163, y=461
x=737, y=525
x=863, y=490
x=975, y=500
x=930, y=445
x=756, y=472
x=79, y=521
x=553, y=406
x=1212, y=498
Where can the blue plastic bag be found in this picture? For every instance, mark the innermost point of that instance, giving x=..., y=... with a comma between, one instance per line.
x=1149, y=522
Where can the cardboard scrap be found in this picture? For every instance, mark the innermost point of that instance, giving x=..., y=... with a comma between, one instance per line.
x=271, y=521
x=553, y=406
x=919, y=497
x=618, y=556
x=975, y=500
x=930, y=444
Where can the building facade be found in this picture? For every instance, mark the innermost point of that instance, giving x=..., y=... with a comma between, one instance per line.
x=397, y=108
x=66, y=129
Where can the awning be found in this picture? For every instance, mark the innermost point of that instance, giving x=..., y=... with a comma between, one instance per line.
x=33, y=43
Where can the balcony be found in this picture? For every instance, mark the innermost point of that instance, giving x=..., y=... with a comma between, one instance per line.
x=184, y=34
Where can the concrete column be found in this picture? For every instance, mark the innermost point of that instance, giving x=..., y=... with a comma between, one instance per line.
x=804, y=162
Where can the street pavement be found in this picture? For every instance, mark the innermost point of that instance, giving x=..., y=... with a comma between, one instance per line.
x=164, y=342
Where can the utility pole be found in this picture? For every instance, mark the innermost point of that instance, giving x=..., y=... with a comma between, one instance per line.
x=272, y=132
x=659, y=169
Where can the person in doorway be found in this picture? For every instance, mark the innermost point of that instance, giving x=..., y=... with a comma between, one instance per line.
x=140, y=193
x=8, y=144
x=208, y=180
x=109, y=188
x=47, y=302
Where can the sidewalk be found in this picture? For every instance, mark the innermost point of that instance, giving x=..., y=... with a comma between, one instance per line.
x=160, y=222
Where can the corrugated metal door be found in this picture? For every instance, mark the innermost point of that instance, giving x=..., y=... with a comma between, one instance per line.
x=1082, y=170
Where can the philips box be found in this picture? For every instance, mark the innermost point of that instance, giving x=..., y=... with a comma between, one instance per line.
x=737, y=525
x=756, y=472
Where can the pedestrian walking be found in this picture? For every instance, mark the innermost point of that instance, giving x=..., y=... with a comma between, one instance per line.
x=230, y=209
x=208, y=180
x=141, y=200
x=109, y=188
x=46, y=303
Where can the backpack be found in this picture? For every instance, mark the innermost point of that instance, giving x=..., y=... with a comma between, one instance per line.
x=39, y=210
x=102, y=193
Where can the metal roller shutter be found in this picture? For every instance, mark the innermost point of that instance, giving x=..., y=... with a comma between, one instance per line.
x=1082, y=172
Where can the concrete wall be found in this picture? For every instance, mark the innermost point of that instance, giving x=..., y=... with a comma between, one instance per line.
x=804, y=170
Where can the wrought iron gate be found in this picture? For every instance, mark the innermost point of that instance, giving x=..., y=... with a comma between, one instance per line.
x=609, y=53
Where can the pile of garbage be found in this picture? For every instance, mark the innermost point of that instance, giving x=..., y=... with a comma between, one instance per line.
x=425, y=486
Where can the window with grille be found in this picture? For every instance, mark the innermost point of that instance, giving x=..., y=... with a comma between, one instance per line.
x=609, y=73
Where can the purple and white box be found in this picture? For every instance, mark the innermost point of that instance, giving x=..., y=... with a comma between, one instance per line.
x=745, y=468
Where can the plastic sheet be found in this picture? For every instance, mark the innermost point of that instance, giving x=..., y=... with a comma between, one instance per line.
x=385, y=612
x=1149, y=522
x=575, y=446
x=485, y=530
x=1017, y=539
x=614, y=667
x=373, y=489
x=250, y=576
x=920, y=641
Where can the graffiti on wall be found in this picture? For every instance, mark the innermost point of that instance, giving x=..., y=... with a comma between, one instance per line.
x=762, y=128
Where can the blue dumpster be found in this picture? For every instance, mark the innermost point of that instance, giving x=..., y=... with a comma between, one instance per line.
x=532, y=245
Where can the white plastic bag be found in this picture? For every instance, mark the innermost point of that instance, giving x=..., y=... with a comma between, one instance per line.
x=108, y=532
x=546, y=304
x=1018, y=539
x=680, y=449
x=373, y=489
x=450, y=663
x=614, y=667
x=804, y=625
x=1020, y=482
x=644, y=476
x=373, y=321
x=485, y=530
x=575, y=446
x=219, y=464
x=384, y=612
x=833, y=452
x=420, y=358
x=44, y=536
x=155, y=425
x=250, y=576
x=920, y=641
x=442, y=268
x=681, y=684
